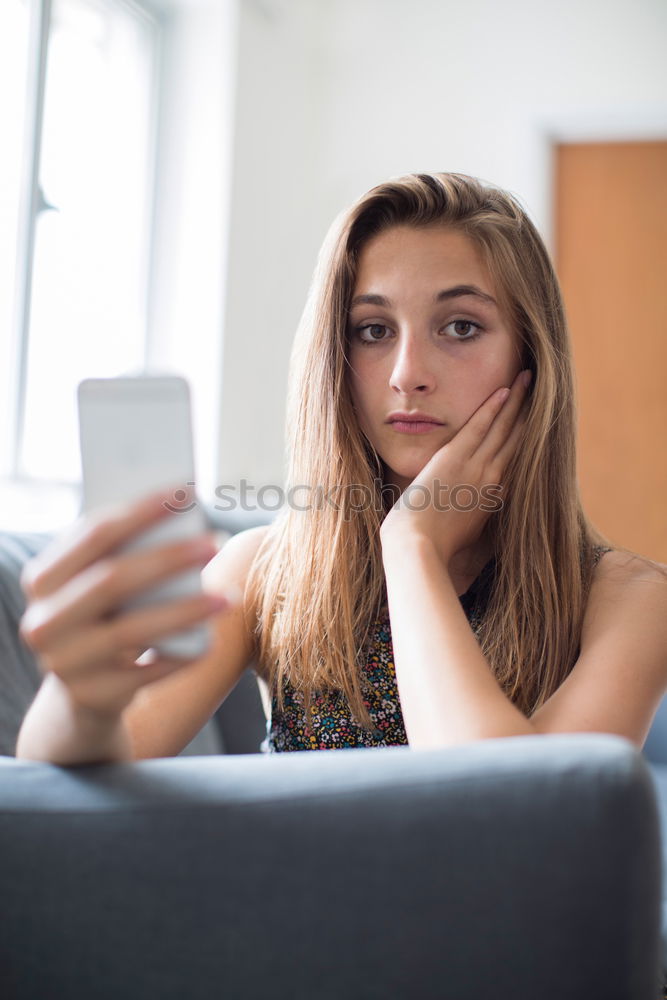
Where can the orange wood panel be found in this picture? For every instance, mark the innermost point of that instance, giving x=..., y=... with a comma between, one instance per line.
x=611, y=258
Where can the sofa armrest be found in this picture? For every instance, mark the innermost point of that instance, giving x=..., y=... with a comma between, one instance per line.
x=519, y=868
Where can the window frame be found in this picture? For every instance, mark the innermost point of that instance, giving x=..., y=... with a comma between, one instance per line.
x=32, y=202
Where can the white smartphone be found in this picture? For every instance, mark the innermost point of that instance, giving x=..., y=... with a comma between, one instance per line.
x=135, y=437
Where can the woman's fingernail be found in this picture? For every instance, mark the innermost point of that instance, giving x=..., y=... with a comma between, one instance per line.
x=230, y=598
x=233, y=594
x=202, y=547
x=527, y=376
x=217, y=602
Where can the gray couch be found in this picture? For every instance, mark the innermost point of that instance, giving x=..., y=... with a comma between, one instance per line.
x=522, y=868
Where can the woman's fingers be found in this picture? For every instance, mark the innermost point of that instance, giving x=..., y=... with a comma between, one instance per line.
x=77, y=620
x=145, y=627
x=109, y=692
x=474, y=432
x=503, y=456
x=117, y=642
x=106, y=585
x=504, y=422
x=89, y=539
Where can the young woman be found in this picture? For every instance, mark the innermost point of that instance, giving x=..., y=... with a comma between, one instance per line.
x=433, y=578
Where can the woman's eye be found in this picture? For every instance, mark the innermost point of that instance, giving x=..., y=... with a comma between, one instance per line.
x=458, y=329
x=375, y=333
x=464, y=329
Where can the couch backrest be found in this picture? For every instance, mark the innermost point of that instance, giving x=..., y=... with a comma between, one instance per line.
x=20, y=676
x=655, y=748
x=523, y=869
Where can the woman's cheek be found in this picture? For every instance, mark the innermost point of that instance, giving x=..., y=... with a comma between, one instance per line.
x=365, y=425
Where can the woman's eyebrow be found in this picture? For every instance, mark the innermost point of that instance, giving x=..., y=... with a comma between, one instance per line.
x=457, y=292
x=460, y=290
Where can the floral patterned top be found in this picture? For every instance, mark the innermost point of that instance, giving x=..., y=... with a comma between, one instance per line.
x=332, y=726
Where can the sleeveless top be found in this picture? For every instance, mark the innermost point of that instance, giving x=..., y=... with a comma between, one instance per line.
x=332, y=726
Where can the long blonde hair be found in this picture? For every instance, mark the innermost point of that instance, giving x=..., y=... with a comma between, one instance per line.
x=317, y=581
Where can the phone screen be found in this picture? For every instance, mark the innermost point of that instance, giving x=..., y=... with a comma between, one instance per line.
x=136, y=437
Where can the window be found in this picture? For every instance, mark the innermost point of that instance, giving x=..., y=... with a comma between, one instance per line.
x=14, y=30
x=75, y=205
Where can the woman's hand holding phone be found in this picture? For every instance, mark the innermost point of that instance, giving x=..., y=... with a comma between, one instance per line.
x=76, y=589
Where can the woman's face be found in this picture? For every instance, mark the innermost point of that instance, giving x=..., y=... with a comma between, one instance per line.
x=425, y=334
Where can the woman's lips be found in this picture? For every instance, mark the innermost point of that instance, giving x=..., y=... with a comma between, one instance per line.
x=413, y=426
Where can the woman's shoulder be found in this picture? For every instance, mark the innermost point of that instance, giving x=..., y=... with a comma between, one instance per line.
x=240, y=549
x=620, y=674
x=231, y=566
x=622, y=566
x=627, y=587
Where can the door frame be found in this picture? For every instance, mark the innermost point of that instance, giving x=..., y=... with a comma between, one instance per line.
x=640, y=123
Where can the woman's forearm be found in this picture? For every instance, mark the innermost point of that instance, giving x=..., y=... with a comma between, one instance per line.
x=447, y=690
x=57, y=731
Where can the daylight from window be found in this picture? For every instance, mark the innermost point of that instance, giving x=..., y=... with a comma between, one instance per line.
x=87, y=308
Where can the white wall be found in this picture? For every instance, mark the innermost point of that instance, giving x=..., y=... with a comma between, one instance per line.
x=277, y=222
x=475, y=88
x=196, y=81
x=334, y=96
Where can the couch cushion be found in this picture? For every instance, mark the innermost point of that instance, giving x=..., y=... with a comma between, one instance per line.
x=20, y=676
x=659, y=775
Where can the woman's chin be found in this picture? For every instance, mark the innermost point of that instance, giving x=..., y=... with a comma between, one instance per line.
x=403, y=473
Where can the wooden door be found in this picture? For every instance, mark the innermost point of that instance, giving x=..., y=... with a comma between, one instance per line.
x=611, y=258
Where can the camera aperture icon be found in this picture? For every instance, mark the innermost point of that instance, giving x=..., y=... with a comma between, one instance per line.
x=182, y=500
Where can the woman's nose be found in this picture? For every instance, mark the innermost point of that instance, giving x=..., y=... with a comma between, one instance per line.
x=412, y=368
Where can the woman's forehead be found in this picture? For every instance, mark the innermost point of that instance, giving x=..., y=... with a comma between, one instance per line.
x=422, y=257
